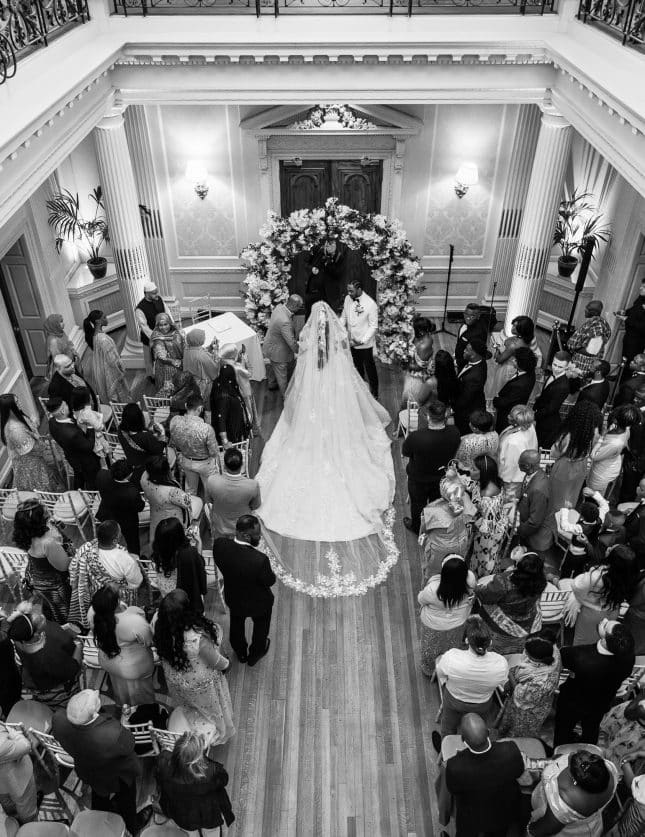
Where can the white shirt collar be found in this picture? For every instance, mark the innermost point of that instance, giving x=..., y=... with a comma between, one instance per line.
x=241, y=543
x=600, y=648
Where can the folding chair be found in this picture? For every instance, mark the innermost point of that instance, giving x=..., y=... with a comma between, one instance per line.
x=42, y=741
x=166, y=829
x=408, y=419
x=92, y=501
x=67, y=507
x=546, y=460
x=164, y=739
x=201, y=308
x=117, y=408
x=630, y=685
x=552, y=608
x=91, y=663
x=57, y=459
x=150, y=570
x=43, y=404
x=44, y=829
x=116, y=449
x=13, y=563
x=174, y=310
x=244, y=448
x=142, y=734
x=9, y=500
x=157, y=408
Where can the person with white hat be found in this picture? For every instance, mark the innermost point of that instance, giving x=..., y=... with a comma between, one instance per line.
x=146, y=314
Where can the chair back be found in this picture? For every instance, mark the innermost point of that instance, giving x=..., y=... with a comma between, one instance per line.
x=201, y=308
x=150, y=570
x=44, y=829
x=413, y=416
x=9, y=500
x=174, y=309
x=167, y=829
x=56, y=457
x=631, y=684
x=552, y=605
x=164, y=739
x=116, y=449
x=158, y=408
x=98, y=824
x=49, y=743
x=143, y=738
x=245, y=449
x=117, y=408
x=13, y=563
x=66, y=507
x=546, y=460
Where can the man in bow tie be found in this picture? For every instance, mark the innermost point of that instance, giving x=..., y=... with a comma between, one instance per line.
x=360, y=318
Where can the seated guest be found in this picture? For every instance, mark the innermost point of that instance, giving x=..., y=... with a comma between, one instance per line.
x=179, y=565
x=572, y=793
x=195, y=441
x=124, y=639
x=77, y=444
x=533, y=682
x=103, y=753
x=612, y=531
x=622, y=731
x=597, y=390
x=469, y=676
x=192, y=785
x=632, y=818
x=51, y=660
x=66, y=379
x=519, y=436
x=472, y=378
x=121, y=502
x=140, y=444
x=596, y=672
x=607, y=453
x=510, y=603
x=445, y=602
x=17, y=785
x=165, y=495
x=518, y=389
x=229, y=415
x=492, y=523
x=533, y=504
x=231, y=495
x=100, y=562
x=481, y=441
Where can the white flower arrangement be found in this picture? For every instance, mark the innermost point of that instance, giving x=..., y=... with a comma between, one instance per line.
x=384, y=246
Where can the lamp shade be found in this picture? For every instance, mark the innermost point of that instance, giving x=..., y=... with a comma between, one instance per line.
x=196, y=172
x=467, y=174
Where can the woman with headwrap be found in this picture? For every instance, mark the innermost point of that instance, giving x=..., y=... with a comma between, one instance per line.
x=202, y=363
x=57, y=341
x=229, y=415
x=167, y=345
x=106, y=370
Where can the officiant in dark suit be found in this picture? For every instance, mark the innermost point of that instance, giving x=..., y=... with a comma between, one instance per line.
x=547, y=405
x=597, y=389
x=325, y=282
x=471, y=379
x=518, y=389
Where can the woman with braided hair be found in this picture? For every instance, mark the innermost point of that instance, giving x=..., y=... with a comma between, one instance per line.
x=572, y=453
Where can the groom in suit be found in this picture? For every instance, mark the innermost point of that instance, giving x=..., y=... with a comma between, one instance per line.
x=280, y=344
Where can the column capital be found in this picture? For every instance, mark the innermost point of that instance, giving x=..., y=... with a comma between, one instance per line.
x=113, y=118
x=550, y=114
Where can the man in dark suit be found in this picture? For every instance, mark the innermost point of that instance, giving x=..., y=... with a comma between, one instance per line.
x=121, y=501
x=326, y=274
x=533, y=504
x=103, y=753
x=428, y=451
x=65, y=379
x=596, y=673
x=627, y=391
x=471, y=379
x=474, y=327
x=482, y=778
x=77, y=444
x=555, y=391
x=635, y=520
x=597, y=390
x=518, y=389
x=248, y=579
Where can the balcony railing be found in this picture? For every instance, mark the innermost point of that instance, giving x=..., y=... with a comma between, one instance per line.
x=26, y=25
x=623, y=18
x=278, y=7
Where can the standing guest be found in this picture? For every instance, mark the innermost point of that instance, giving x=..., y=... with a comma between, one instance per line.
x=360, y=318
x=107, y=372
x=571, y=450
x=229, y=415
x=556, y=389
x=121, y=502
x=473, y=328
x=510, y=603
x=189, y=647
x=429, y=452
x=622, y=730
x=202, y=362
x=612, y=530
x=472, y=378
x=445, y=378
x=491, y=523
x=481, y=441
x=518, y=388
x=196, y=444
x=634, y=318
x=140, y=444
x=587, y=343
x=167, y=346
x=597, y=389
x=192, y=786
x=596, y=672
x=124, y=639
x=627, y=392
x=445, y=602
x=533, y=505
x=77, y=444
x=519, y=436
x=10, y=677
x=573, y=791
x=25, y=447
x=179, y=565
x=88, y=419
x=469, y=676
x=165, y=496
x=635, y=519
x=57, y=342
x=47, y=569
x=533, y=682
x=634, y=618
x=231, y=494
x=416, y=383
x=522, y=336
x=66, y=379
x=146, y=315
x=607, y=454
x=444, y=524
x=248, y=579
x=483, y=779
x=280, y=344
x=103, y=752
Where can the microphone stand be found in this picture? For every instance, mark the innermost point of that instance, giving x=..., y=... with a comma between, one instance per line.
x=443, y=329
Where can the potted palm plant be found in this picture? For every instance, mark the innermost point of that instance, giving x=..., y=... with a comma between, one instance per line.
x=578, y=223
x=90, y=234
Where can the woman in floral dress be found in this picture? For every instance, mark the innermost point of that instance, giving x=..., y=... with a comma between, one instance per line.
x=25, y=448
x=485, y=489
x=165, y=496
x=188, y=645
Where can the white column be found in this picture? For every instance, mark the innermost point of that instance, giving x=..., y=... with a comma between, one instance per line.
x=538, y=218
x=126, y=232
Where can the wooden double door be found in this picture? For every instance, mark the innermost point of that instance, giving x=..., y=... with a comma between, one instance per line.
x=356, y=184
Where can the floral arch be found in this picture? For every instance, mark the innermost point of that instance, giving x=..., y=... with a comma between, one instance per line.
x=383, y=244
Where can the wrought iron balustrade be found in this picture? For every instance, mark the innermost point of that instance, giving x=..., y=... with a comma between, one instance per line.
x=26, y=25
x=623, y=18
x=278, y=7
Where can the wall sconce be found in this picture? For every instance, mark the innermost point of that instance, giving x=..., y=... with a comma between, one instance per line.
x=467, y=176
x=197, y=175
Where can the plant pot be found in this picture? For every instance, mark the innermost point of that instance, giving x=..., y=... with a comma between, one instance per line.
x=98, y=267
x=566, y=266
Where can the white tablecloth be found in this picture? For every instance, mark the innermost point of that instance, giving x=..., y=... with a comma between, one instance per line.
x=230, y=329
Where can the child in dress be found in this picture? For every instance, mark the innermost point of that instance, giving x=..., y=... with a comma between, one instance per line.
x=87, y=419
x=236, y=358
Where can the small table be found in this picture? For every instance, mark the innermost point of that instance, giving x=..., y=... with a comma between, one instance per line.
x=228, y=328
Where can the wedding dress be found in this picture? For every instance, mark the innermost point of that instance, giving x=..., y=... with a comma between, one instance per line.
x=327, y=476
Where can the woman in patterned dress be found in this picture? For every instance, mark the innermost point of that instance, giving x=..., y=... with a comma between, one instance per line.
x=522, y=334
x=167, y=346
x=165, y=496
x=107, y=371
x=25, y=447
x=188, y=645
x=486, y=492
x=481, y=440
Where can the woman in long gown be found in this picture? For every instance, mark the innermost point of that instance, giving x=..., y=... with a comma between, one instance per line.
x=327, y=476
x=106, y=370
x=417, y=384
x=491, y=524
x=25, y=447
x=167, y=345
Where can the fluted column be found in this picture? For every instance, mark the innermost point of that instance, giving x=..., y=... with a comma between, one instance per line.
x=538, y=219
x=126, y=232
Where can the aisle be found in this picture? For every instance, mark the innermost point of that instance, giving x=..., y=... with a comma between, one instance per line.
x=334, y=723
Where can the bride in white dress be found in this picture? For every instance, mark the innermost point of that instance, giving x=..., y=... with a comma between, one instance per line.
x=327, y=476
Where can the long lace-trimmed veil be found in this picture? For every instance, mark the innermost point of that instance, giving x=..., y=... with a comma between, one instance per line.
x=327, y=476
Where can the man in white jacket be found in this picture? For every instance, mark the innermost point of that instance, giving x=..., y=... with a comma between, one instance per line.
x=360, y=318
